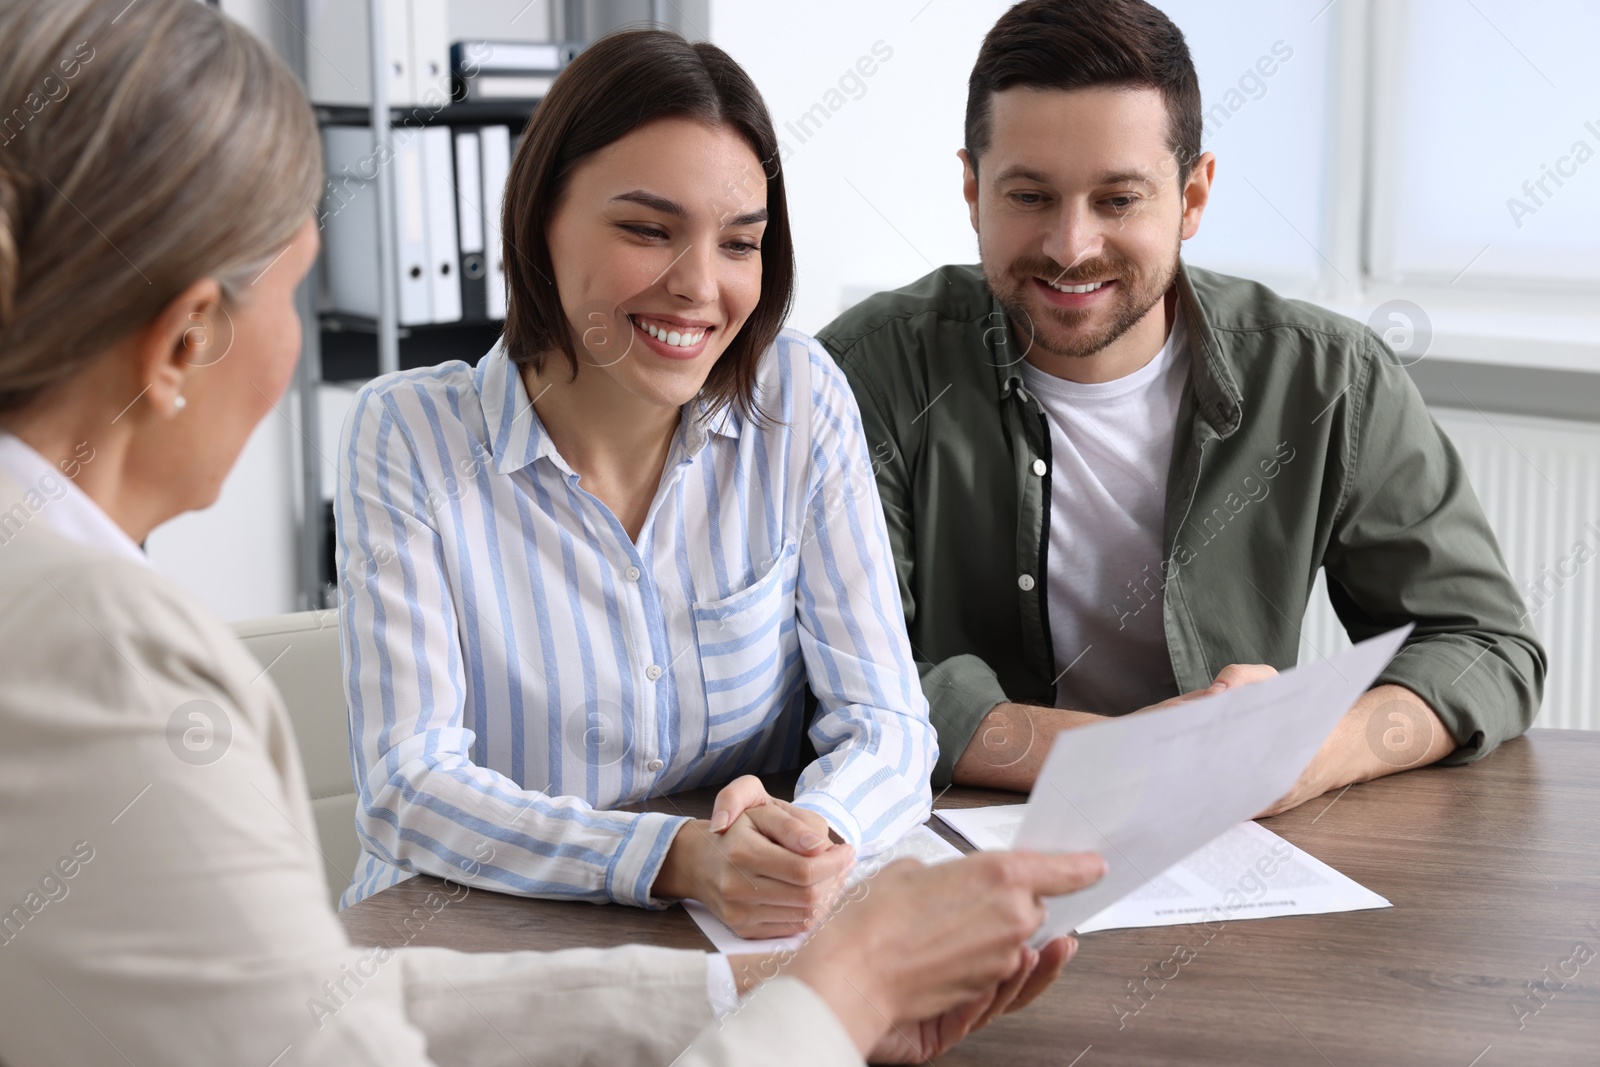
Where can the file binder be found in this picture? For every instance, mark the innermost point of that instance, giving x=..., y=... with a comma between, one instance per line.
x=444, y=248
x=469, y=203
x=349, y=220
x=509, y=87
x=468, y=58
x=507, y=70
x=338, y=72
x=350, y=224
x=496, y=146
x=338, y=28
x=411, y=225
x=430, y=53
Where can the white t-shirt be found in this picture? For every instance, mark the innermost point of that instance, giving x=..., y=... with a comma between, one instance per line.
x=1110, y=445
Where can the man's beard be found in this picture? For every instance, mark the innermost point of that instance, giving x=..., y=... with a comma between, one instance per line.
x=1061, y=333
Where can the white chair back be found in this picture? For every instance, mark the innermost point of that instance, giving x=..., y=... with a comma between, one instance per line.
x=301, y=653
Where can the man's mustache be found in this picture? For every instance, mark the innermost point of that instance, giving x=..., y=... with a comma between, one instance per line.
x=1080, y=274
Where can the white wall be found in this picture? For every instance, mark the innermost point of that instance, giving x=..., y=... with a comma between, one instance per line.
x=238, y=556
x=875, y=193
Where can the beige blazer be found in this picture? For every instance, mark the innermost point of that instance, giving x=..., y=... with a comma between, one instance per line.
x=161, y=897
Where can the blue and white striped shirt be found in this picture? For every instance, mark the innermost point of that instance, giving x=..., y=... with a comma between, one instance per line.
x=515, y=664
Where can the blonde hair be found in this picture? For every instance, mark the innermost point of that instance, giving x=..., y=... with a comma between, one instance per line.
x=143, y=147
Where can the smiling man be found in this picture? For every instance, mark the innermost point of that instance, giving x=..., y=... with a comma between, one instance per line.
x=1111, y=477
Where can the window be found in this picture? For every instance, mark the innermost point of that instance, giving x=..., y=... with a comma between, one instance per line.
x=1488, y=141
x=1264, y=69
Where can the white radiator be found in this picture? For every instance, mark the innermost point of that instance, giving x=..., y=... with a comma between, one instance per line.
x=1539, y=482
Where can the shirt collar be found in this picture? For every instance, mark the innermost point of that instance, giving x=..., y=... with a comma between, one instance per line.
x=517, y=438
x=46, y=495
x=1216, y=389
x=702, y=422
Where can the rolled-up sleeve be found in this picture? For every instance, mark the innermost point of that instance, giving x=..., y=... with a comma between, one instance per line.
x=1411, y=544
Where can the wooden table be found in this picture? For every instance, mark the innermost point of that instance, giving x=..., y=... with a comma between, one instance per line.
x=1493, y=869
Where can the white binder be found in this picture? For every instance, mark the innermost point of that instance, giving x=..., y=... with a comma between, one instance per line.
x=350, y=225
x=430, y=53
x=337, y=68
x=418, y=50
x=496, y=144
x=412, y=228
x=349, y=220
x=444, y=249
x=469, y=186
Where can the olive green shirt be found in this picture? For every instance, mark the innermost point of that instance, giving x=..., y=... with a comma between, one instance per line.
x=1300, y=444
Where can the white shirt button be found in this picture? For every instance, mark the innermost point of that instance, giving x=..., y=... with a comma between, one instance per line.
x=1039, y=467
x=653, y=671
x=1025, y=583
x=654, y=765
x=632, y=574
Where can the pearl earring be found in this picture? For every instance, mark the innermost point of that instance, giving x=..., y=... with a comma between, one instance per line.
x=179, y=402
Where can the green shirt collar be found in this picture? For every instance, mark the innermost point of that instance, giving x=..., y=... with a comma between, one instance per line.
x=1216, y=389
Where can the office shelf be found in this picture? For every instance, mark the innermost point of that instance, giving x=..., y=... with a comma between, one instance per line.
x=341, y=347
x=352, y=355
x=513, y=113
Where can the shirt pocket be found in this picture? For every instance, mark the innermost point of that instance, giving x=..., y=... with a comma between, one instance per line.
x=744, y=657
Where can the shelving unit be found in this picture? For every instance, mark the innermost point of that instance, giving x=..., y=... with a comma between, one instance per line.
x=340, y=347
x=346, y=348
x=358, y=347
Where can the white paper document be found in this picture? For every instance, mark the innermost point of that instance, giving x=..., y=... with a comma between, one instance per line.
x=1147, y=790
x=1247, y=873
x=921, y=844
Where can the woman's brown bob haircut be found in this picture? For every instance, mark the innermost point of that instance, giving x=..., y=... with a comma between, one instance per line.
x=614, y=86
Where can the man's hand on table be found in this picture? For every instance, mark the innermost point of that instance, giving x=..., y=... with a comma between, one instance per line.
x=1009, y=748
x=1390, y=729
x=762, y=865
x=1232, y=676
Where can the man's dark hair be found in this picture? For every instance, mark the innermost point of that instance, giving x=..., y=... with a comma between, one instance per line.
x=1076, y=44
x=613, y=87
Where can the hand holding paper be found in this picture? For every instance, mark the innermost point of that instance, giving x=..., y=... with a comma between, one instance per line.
x=1147, y=790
